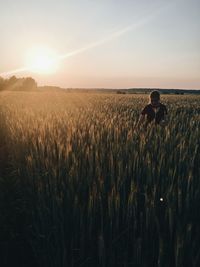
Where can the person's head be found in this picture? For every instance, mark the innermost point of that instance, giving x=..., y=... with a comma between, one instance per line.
x=154, y=98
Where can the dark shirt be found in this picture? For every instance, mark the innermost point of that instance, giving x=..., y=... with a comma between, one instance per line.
x=155, y=114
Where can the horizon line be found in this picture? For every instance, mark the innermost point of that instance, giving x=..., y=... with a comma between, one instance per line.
x=129, y=88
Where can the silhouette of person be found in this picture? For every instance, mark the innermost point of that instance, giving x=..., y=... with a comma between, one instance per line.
x=155, y=112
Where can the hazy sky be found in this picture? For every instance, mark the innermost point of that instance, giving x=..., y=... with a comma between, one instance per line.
x=114, y=43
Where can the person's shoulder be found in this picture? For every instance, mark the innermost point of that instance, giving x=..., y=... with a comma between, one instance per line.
x=163, y=105
x=148, y=106
x=145, y=110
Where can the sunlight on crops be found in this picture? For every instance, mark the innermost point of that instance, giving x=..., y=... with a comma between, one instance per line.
x=95, y=193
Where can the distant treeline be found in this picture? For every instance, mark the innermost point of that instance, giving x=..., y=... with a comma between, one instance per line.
x=162, y=91
x=131, y=90
x=18, y=84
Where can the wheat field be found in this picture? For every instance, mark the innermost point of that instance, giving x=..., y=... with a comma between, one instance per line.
x=78, y=187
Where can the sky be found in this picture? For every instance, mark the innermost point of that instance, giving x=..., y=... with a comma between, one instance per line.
x=102, y=43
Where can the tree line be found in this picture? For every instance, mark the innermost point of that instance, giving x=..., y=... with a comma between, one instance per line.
x=18, y=84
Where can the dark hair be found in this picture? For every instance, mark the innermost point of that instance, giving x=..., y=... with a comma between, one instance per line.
x=155, y=94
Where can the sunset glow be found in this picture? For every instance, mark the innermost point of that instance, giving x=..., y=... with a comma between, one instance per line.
x=42, y=60
x=102, y=44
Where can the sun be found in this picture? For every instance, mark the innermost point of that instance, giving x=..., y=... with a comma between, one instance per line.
x=42, y=60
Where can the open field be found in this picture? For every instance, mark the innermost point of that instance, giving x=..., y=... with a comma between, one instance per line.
x=79, y=188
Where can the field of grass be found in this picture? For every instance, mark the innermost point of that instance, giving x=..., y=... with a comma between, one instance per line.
x=79, y=188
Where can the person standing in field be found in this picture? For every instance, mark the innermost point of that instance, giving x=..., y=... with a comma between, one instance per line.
x=155, y=112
